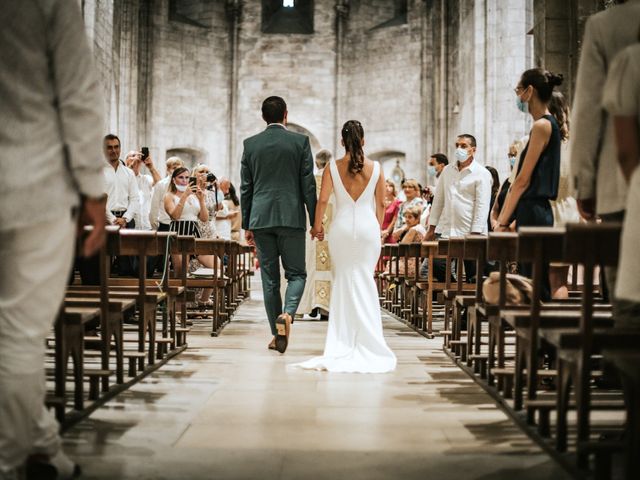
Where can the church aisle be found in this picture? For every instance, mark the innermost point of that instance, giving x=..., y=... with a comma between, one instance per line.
x=228, y=408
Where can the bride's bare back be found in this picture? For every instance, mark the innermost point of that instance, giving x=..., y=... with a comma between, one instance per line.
x=354, y=184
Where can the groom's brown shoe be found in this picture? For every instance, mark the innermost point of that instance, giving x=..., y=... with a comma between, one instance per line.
x=283, y=327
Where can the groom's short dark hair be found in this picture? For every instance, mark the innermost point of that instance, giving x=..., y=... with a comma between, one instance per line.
x=273, y=110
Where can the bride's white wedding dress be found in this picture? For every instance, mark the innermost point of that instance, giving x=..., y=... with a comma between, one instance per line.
x=355, y=342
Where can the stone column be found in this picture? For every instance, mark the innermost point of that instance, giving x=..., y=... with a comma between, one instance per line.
x=342, y=13
x=234, y=12
x=144, y=84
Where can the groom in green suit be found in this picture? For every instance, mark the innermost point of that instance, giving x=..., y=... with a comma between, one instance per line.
x=277, y=184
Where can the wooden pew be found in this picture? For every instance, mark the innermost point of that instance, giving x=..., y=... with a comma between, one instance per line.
x=589, y=245
x=502, y=248
x=429, y=286
x=220, y=314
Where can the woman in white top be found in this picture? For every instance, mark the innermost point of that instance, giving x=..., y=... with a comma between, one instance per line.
x=185, y=205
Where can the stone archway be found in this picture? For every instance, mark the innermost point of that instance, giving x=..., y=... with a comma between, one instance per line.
x=313, y=140
x=190, y=156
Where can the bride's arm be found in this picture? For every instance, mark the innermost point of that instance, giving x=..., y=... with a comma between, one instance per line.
x=380, y=194
x=323, y=200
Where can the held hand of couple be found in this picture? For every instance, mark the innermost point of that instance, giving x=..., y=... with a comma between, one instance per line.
x=317, y=234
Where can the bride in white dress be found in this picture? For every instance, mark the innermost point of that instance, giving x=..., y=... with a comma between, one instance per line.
x=355, y=342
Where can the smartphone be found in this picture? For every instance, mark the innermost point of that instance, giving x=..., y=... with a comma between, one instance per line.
x=192, y=181
x=145, y=153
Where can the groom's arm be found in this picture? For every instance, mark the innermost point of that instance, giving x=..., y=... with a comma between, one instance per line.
x=308, y=180
x=246, y=190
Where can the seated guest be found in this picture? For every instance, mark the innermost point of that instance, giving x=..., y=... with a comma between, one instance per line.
x=413, y=232
x=185, y=205
x=412, y=192
x=391, y=209
x=145, y=185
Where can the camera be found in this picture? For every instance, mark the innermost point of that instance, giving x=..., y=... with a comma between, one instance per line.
x=211, y=177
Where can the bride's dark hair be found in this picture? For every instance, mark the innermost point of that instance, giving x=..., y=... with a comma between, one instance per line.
x=352, y=135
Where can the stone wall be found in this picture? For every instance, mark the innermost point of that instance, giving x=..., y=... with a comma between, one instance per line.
x=177, y=79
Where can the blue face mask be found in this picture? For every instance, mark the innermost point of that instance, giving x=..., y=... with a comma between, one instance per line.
x=522, y=105
x=512, y=161
x=431, y=171
x=461, y=154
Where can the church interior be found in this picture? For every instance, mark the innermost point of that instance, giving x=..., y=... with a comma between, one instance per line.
x=512, y=361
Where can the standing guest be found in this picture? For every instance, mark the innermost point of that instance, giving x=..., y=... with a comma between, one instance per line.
x=206, y=229
x=564, y=207
x=437, y=163
x=495, y=188
x=233, y=205
x=391, y=209
x=513, y=156
x=600, y=186
x=123, y=198
x=145, y=183
x=413, y=196
x=158, y=218
x=185, y=204
x=622, y=100
x=461, y=202
x=224, y=216
x=212, y=201
x=539, y=170
x=50, y=101
x=427, y=196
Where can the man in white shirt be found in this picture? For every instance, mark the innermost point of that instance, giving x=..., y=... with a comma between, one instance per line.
x=462, y=199
x=600, y=185
x=134, y=161
x=123, y=198
x=158, y=217
x=51, y=103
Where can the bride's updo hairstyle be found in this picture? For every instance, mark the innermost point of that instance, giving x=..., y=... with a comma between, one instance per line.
x=542, y=80
x=352, y=135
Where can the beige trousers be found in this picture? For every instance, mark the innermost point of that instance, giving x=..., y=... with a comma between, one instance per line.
x=34, y=267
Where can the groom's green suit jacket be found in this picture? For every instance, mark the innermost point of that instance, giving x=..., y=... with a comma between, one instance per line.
x=277, y=180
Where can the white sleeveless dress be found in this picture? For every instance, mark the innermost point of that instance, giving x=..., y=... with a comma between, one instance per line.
x=355, y=342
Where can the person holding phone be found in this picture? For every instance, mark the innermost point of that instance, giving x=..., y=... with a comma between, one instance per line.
x=185, y=204
x=134, y=161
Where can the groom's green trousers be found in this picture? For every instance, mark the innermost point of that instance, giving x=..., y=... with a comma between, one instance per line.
x=288, y=244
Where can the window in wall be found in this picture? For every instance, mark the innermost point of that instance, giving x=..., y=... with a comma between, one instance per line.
x=287, y=16
x=400, y=10
x=187, y=12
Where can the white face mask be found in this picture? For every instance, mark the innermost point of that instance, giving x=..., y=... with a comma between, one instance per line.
x=461, y=154
x=181, y=188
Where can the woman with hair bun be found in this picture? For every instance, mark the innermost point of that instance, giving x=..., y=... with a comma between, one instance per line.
x=355, y=341
x=538, y=173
